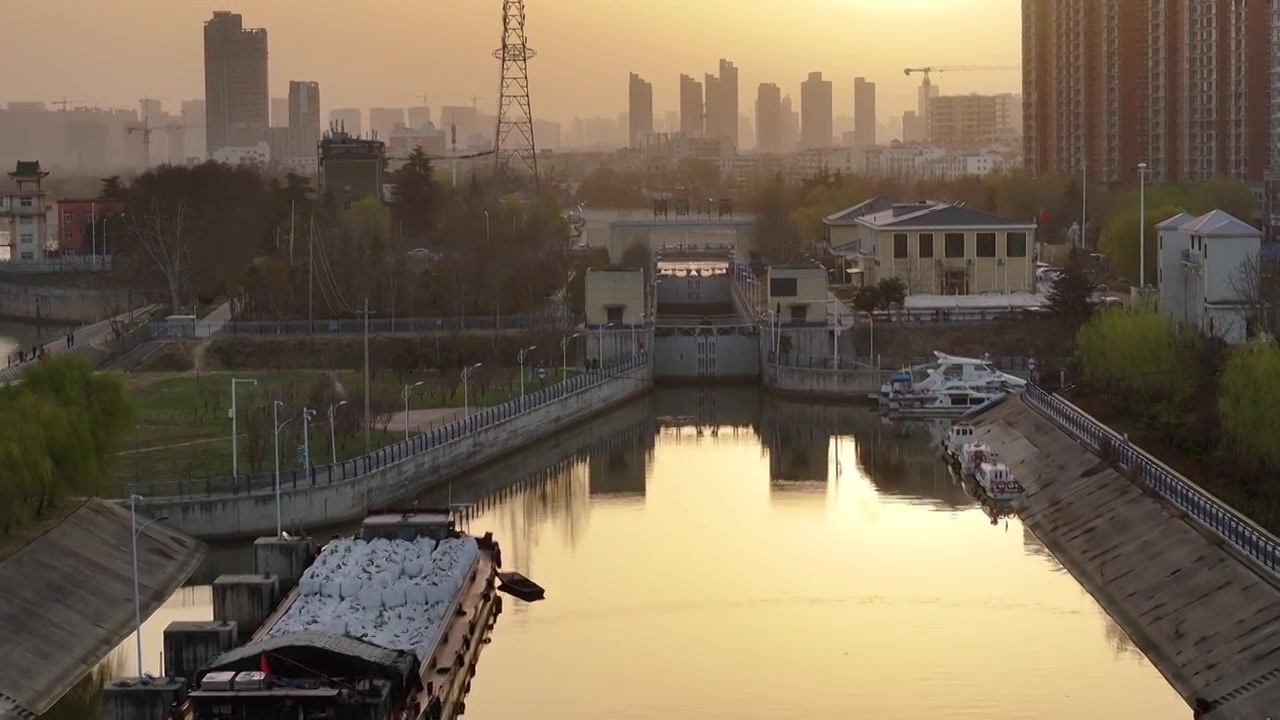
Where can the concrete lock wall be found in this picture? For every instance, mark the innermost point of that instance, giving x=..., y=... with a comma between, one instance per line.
x=254, y=515
x=834, y=384
x=58, y=304
x=694, y=290
x=706, y=356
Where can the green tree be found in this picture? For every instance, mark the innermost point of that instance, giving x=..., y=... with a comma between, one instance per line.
x=775, y=237
x=1226, y=194
x=415, y=205
x=1071, y=294
x=890, y=292
x=1250, y=416
x=1133, y=354
x=113, y=188
x=1121, y=241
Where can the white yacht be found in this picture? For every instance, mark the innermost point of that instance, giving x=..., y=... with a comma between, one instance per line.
x=997, y=482
x=948, y=387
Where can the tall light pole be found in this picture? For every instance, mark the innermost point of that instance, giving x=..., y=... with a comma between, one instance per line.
x=600, y=342
x=1142, y=225
x=521, y=357
x=564, y=354
x=408, y=390
x=275, y=419
x=235, y=455
x=333, y=437
x=137, y=596
x=307, y=415
x=466, y=398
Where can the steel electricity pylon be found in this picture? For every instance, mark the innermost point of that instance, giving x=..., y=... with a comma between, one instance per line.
x=515, y=149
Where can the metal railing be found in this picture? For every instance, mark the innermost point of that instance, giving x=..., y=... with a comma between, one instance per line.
x=67, y=263
x=480, y=419
x=530, y=322
x=1239, y=530
x=887, y=363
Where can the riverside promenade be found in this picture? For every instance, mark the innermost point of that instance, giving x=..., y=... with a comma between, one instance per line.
x=326, y=495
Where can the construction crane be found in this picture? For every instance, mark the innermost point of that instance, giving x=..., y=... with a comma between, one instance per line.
x=954, y=68
x=145, y=129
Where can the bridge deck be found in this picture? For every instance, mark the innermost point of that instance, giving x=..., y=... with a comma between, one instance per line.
x=1207, y=621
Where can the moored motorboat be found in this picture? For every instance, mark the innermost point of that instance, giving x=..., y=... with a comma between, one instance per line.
x=958, y=435
x=949, y=387
x=973, y=456
x=996, y=481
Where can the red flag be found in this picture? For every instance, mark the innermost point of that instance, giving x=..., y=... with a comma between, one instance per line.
x=264, y=665
x=1044, y=218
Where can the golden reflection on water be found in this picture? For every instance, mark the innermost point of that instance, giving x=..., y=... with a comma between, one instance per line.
x=739, y=584
x=790, y=561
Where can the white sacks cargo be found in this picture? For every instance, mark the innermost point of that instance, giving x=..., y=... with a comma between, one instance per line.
x=389, y=593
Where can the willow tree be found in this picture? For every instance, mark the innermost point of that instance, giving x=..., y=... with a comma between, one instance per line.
x=1133, y=353
x=1250, y=417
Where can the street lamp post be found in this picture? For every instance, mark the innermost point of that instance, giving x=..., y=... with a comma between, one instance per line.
x=600, y=341
x=1143, y=169
x=564, y=354
x=333, y=442
x=307, y=415
x=521, y=357
x=466, y=398
x=137, y=596
x=275, y=419
x=408, y=390
x=235, y=455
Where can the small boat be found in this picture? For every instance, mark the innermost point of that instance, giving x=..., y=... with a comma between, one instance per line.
x=958, y=435
x=973, y=456
x=997, y=482
x=950, y=387
x=521, y=587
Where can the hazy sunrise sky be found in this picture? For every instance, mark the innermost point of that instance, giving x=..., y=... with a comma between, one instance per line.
x=368, y=53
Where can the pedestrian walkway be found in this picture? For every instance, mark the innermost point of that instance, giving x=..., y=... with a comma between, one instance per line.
x=84, y=340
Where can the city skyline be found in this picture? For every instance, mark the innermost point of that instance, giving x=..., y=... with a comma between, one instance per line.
x=765, y=44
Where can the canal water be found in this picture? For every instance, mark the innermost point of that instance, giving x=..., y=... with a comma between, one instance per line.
x=723, y=554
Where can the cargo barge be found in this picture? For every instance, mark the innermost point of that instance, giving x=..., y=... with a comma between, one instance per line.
x=387, y=625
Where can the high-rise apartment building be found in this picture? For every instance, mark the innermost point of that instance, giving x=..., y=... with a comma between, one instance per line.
x=304, y=119
x=1182, y=85
x=639, y=109
x=972, y=121
x=913, y=127
x=279, y=112
x=383, y=120
x=419, y=117
x=347, y=120
x=790, y=125
x=769, y=118
x=722, y=103
x=237, y=109
x=864, y=112
x=815, y=112
x=691, y=109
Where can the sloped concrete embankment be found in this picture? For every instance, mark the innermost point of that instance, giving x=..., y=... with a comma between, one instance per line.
x=1206, y=619
x=228, y=517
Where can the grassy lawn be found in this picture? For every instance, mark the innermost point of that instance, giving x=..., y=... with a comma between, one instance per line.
x=182, y=427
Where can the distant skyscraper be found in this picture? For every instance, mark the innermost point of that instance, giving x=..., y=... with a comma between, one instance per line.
x=640, y=109
x=193, y=116
x=722, y=103
x=348, y=120
x=691, y=108
x=383, y=120
x=304, y=118
x=420, y=117
x=279, y=112
x=815, y=112
x=769, y=118
x=237, y=111
x=671, y=119
x=864, y=112
x=152, y=112
x=790, y=125
x=914, y=129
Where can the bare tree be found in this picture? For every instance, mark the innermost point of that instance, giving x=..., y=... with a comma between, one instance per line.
x=1257, y=287
x=162, y=232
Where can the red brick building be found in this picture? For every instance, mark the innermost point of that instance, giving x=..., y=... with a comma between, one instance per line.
x=75, y=220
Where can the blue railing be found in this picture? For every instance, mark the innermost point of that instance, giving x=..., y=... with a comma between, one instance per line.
x=480, y=419
x=1239, y=530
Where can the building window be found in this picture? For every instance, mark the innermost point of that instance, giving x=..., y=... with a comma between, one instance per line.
x=26, y=239
x=900, y=246
x=613, y=314
x=68, y=217
x=346, y=205
x=1015, y=245
x=799, y=313
x=783, y=287
x=953, y=245
x=925, y=246
x=986, y=245
x=68, y=235
x=26, y=202
x=28, y=256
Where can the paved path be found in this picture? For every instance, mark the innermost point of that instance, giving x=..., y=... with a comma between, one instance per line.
x=87, y=338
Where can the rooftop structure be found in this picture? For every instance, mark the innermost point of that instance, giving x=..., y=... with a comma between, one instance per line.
x=1205, y=268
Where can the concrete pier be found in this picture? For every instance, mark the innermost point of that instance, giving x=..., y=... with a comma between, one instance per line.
x=189, y=646
x=145, y=699
x=284, y=557
x=245, y=600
